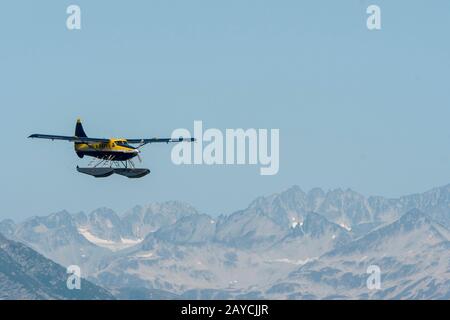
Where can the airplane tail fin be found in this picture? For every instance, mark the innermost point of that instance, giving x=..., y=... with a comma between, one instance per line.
x=79, y=131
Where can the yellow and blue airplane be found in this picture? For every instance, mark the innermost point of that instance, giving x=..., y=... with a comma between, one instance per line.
x=114, y=155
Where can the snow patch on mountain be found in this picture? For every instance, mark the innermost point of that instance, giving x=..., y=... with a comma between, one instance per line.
x=345, y=226
x=293, y=262
x=108, y=244
x=145, y=255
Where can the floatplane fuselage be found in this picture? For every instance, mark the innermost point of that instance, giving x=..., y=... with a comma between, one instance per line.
x=113, y=155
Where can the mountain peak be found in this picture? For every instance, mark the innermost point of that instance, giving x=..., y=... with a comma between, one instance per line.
x=103, y=211
x=294, y=189
x=317, y=225
x=316, y=192
x=193, y=229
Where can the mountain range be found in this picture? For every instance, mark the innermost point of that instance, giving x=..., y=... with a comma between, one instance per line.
x=289, y=245
x=26, y=274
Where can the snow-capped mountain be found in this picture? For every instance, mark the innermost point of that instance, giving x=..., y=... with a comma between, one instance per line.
x=86, y=239
x=413, y=254
x=293, y=244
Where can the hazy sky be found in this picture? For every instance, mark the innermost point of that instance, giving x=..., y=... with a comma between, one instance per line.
x=368, y=110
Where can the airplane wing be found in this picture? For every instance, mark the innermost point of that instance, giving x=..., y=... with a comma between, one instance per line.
x=93, y=140
x=159, y=140
x=68, y=138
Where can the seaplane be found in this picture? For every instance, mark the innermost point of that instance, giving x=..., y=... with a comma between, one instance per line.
x=109, y=155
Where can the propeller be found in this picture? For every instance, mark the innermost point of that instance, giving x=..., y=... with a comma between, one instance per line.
x=141, y=145
x=138, y=148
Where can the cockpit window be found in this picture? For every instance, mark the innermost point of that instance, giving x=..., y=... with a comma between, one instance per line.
x=123, y=144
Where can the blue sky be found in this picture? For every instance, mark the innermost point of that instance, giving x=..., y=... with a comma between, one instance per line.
x=356, y=108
